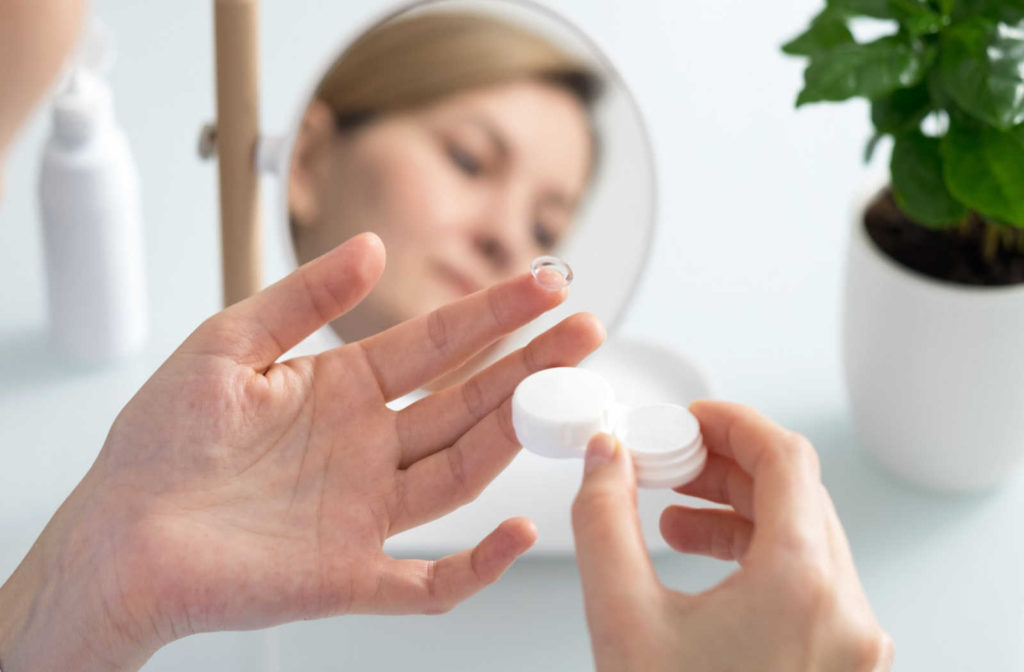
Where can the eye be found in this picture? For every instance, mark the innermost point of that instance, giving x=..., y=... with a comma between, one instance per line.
x=465, y=161
x=544, y=236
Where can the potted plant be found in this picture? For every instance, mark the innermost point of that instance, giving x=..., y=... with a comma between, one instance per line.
x=933, y=316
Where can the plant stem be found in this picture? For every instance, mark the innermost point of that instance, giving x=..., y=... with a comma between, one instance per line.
x=1009, y=238
x=990, y=243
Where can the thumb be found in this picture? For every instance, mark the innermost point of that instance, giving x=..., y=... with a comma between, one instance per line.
x=609, y=542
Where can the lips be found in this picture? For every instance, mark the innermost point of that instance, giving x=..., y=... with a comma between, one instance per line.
x=462, y=283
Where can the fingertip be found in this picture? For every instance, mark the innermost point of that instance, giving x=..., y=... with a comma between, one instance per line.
x=500, y=548
x=601, y=441
x=593, y=326
x=575, y=337
x=552, y=294
x=667, y=525
x=551, y=279
x=372, y=239
x=675, y=531
x=523, y=532
x=359, y=261
x=703, y=406
x=373, y=251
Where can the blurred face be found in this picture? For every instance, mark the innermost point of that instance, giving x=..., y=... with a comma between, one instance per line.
x=464, y=192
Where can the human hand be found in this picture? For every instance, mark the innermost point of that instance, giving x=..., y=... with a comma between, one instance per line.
x=234, y=492
x=796, y=602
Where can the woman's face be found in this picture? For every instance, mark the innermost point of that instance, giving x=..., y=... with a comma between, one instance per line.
x=464, y=192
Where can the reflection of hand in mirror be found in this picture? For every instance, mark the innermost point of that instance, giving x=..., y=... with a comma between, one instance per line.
x=463, y=141
x=234, y=492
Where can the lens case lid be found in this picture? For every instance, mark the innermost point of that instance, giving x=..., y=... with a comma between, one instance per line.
x=555, y=412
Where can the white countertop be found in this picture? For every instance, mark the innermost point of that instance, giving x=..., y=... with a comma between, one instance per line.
x=746, y=274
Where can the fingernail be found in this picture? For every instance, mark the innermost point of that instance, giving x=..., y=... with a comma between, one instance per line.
x=600, y=451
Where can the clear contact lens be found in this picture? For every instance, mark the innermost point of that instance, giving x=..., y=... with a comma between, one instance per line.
x=551, y=272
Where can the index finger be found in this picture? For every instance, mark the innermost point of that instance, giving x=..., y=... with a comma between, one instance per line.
x=417, y=351
x=787, y=499
x=259, y=329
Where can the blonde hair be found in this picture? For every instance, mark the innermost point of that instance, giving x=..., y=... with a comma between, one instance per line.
x=411, y=61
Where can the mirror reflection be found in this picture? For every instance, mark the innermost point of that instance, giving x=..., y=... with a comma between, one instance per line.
x=468, y=140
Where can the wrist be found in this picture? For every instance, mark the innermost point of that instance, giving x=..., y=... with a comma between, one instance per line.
x=58, y=611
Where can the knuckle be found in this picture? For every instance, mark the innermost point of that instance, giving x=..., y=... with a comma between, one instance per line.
x=321, y=297
x=508, y=429
x=473, y=398
x=457, y=467
x=810, y=589
x=437, y=602
x=799, y=449
x=737, y=544
x=530, y=359
x=580, y=511
x=865, y=649
x=498, y=303
x=437, y=329
x=723, y=543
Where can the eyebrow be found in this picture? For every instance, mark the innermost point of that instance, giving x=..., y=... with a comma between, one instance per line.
x=554, y=198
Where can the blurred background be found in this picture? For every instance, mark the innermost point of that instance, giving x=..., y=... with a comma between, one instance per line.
x=755, y=205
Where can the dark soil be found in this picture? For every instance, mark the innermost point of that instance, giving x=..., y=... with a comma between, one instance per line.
x=954, y=255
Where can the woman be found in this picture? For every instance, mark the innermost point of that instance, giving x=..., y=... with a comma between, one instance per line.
x=235, y=492
x=464, y=141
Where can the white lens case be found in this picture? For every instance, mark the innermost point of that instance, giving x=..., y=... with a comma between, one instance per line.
x=555, y=413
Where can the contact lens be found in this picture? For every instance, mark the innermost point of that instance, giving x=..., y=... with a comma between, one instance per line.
x=551, y=272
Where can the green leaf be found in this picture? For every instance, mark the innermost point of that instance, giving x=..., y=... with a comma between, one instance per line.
x=902, y=110
x=984, y=169
x=828, y=29
x=946, y=6
x=918, y=183
x=869, y=70
x=1011, y=11
x=878, y=9
x=916, y=17
x=982, y=68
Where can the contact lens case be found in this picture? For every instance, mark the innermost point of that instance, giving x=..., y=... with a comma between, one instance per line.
x=555, y=412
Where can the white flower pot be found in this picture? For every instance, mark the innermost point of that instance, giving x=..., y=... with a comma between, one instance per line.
x=934, y=370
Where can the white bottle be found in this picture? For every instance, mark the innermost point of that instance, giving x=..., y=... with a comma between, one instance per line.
x=92, y=227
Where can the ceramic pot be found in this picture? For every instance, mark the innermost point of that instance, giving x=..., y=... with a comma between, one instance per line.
x=934, y=371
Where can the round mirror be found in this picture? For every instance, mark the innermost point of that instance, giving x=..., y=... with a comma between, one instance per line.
x=472, y=137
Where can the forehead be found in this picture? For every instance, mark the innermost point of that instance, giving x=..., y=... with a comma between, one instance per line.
x=546, y=127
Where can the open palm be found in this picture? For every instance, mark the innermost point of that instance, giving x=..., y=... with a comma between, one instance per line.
x=249, y=493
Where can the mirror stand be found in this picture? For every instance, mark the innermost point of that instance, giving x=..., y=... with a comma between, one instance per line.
x=236, y=26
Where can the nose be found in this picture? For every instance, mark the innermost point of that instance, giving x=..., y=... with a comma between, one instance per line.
x=503, y=234
x=493, y=249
